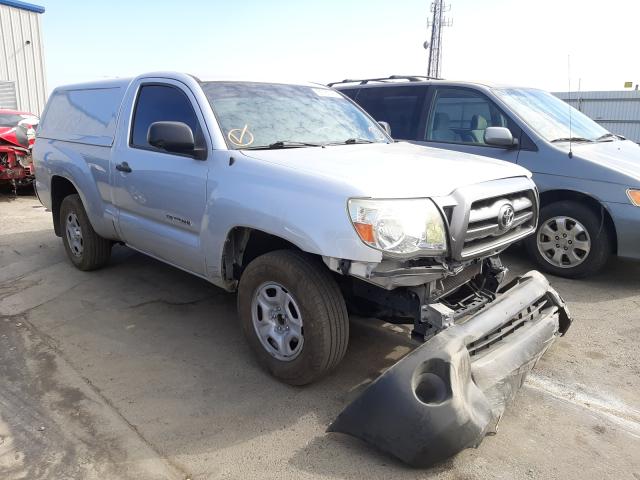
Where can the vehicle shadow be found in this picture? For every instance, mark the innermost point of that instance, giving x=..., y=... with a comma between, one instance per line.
x=8, y=195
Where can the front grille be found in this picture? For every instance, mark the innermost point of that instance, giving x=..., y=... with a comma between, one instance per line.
x=484, y=229
x=529, y=314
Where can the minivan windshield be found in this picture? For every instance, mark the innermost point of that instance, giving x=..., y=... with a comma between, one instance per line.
x=549, y=116
x=256, y=115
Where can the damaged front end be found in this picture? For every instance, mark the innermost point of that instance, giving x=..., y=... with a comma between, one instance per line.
x=16, y=167
x=16, y=163
x=452, y=390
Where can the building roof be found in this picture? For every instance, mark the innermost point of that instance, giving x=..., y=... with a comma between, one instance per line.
x=23, y=5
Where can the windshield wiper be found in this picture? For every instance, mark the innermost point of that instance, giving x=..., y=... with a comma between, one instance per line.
x=352, y=141
x=605, y=136
x=283, y=144
x=572, y=139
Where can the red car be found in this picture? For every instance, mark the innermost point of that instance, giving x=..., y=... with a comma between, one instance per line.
x=17, y=134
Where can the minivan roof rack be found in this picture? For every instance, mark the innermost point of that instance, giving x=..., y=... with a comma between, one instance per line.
x=364, y=81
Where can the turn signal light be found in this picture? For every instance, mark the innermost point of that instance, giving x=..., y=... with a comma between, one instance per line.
x=634, y=196
x=365, y=230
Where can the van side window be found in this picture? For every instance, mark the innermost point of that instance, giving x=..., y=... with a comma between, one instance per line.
x=400, y=107
x=159, y=103
x=462, y=116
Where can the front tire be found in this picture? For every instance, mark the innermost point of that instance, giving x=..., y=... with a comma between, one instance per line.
x=293, y=316
x=85, y=248
x=571, y=240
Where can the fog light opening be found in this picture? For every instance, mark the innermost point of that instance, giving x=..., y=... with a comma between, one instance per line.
x=431, y=382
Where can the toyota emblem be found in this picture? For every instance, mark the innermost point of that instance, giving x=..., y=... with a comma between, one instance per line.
x=506, y=216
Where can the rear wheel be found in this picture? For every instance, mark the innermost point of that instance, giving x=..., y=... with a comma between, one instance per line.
x=571, y=240
x=293, y=316
x=86, y=249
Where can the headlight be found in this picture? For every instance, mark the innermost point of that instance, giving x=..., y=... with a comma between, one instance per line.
x=634, y=196
x=23, y=160
x=401, y=227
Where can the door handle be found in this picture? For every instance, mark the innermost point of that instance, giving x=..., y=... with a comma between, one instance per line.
x=123, y=167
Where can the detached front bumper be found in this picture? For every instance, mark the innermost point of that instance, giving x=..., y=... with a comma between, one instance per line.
x=449, y=393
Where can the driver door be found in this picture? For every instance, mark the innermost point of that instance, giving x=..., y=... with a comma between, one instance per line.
x=161, y=196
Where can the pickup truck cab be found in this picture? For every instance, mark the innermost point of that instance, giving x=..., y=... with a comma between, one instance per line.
x=291, y=195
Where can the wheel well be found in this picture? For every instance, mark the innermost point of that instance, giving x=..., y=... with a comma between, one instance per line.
x=60, y=188
x=244, y=245
x=552, y=196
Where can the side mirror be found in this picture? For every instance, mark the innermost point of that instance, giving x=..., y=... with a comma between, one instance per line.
x=175, y=137
x=499, y=137
x=386, y=127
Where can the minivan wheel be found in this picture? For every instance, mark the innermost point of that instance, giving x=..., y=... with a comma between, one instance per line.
x=85, y=248
x=571, y=240
x=293, y=316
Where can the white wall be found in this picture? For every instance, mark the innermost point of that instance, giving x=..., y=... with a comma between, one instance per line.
x=22, y=63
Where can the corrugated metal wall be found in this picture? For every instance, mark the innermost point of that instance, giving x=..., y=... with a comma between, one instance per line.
x=23, y=62
x=8, y=95
x=617, y=111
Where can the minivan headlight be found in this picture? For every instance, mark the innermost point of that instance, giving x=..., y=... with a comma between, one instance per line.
x=634, y=196
x=401, y=227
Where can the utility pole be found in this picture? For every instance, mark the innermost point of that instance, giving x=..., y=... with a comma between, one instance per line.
x=436, y=23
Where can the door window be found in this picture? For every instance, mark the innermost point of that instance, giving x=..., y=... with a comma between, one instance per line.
x=462, y=116
x=162, y=103
x=400, y=107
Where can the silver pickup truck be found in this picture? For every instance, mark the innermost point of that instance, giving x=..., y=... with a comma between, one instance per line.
x=294, y=197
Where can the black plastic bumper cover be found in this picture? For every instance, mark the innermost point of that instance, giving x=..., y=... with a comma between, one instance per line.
x=439, y=399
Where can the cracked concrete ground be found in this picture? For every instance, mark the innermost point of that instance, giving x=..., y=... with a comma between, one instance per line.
x=140, y=371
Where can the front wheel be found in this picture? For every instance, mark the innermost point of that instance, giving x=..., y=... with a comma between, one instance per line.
x=571, y=240
x=293, y=315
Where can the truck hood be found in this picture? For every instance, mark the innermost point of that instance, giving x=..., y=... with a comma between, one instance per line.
x=396, y=170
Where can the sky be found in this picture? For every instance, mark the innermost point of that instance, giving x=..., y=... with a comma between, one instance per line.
x=540, y=43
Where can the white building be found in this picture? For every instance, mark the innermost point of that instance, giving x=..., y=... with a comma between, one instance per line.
x=22, y=74
x=617, y=111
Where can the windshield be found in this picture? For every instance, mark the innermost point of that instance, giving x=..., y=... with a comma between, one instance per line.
x=9, y=119
x=549, y=116
x=262, y=115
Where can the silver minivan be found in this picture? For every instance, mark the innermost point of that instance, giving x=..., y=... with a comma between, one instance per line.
x=589, y=178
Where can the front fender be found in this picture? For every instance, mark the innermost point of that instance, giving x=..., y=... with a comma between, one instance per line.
x=307, y=211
